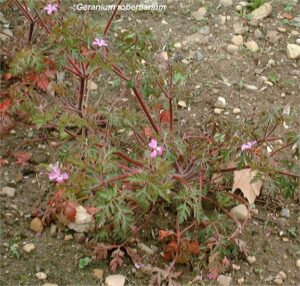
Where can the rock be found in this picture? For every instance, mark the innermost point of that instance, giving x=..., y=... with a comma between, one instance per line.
x=241, y=280
x=68, y=237
x=53, y=229
x=83, y=220
x=115, y=280
x=241, y=212
x=146, y=249
x=218, y=110
x=239, y=29
x=281, y=275
x=232, y=49
x=273, y=37
x=199, y=14
x=226, y=3
x=79, y=237
x=8, y=191
x=262, y=12
x=298, y=263
x=224, y=280
x=250, y=87
x=182, y=104
x=236, y=110
x=41, y=275
x=221, y=19
x=293, y=51
x=6, y=35
x=236, y=267
x=251, y=259
x=221, y=102
x=29, y=247
x=298, y=41
x=237, y=40
x=36, y=225
x=278, y=281
x=196, y=38
x=49, y=284
x=258, y=34
x=92, y=85
x=98, y=273
x=178, y=45
x=205, y=30
x=285, y=213
x=252, y=46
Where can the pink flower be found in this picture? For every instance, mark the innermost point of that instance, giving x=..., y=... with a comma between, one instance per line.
x=156, y=150
x=99, y=43
x=56, y=175
x=248, y=145
x=51, y=8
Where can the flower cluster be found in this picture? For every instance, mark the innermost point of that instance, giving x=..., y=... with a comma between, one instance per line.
x=248, y=145
x=155, y=150
x=99, y=43
x=56, y=174
x=51, y=8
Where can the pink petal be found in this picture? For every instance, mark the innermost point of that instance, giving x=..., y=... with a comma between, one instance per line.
x=159, y=150
x=52, y=176
x=153, y=144
x=153, y=154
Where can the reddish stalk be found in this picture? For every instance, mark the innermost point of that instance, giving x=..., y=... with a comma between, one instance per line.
x=111, y=18
x=128, y=159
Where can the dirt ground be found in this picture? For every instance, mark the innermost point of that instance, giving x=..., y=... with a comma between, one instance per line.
x=212, y=72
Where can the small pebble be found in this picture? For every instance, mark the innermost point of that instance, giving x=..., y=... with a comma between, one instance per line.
x=29, y=247
x=68, y=237
x=278, y=281
x=182, y=104
x=236, y=110
x=8, y=191
x=36, y=225
x=285, y=213
x=236, y=267
x=178, y=45
x=218, y=110
x=251, y=259
x=298, y=263
x=232, y=49
x=41, y=275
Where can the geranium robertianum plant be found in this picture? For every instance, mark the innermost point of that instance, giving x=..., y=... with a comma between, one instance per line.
x=126, y=158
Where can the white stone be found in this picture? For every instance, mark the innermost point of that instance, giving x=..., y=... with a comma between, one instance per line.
x=251, y=259
x=241, y=212
x=8, y=191
x=237, y=40
x=250, y=87
x=236, y=110
x=224, y=280
x=226, y=3
x=199, y=14
x=293, y=51
x=281, y=275
x=115, y=280
x=218, y=110
x=262, y=12
x=83, y=220
x=298, y=263
x=252, y=46
x=278, y=281
x=178, y=45
x=232, y=49
x=221, y=102
x=238, y=28
x=29, y=247
x=236, y=267
x=182, y=104
x=92, y=85
x=258, y=34
x=6, y=34
x=41, y=275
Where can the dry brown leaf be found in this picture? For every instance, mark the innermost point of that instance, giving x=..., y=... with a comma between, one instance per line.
x=242, y=180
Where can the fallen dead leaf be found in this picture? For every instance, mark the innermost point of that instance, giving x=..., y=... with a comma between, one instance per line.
x=243, y=180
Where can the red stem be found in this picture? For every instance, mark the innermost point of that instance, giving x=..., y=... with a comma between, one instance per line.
x=125, y=157
x=111, y=18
